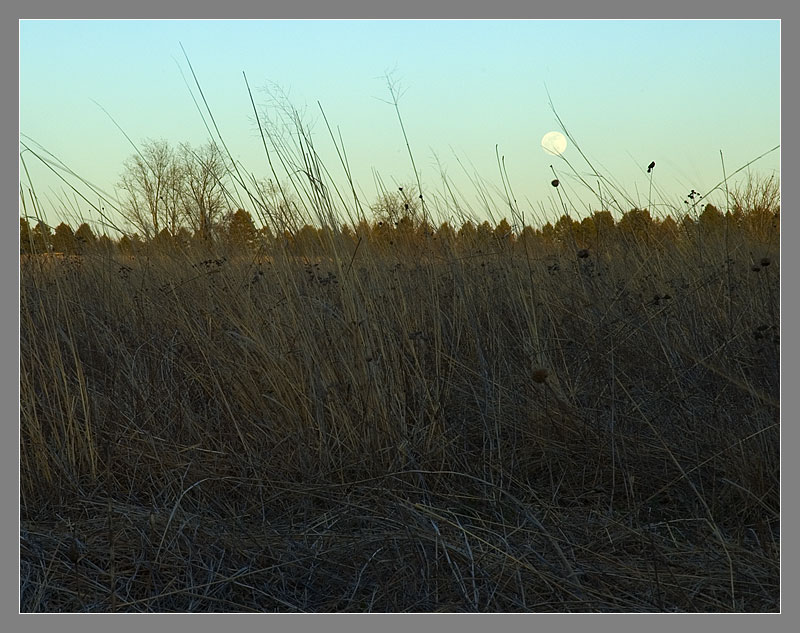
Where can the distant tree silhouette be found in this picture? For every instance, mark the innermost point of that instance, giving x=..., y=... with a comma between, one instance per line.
x=363, y=230
x=484, y=235
x=636, y=224
x=203, y=190
x=25, y=237
x=64, y=239
x=167, y=188
x=164, y=240
x=668, y=229
x=395, y=206
x=548, y=234
x=688, y=226
x=42, y=238
x=152, y=188
x=467, y=235
x=758, y=203
x=711, y=219
x=265, y=236
x=603, y=224
x=586, y=233
x=84, y=238
x=503, y=233
x=528, y=241
x=307, y=241
x=105, y=245
x=125, y=246
x=564, y=231
x=446, y=237
x=241, y=231
x=182, y=238
x=348, y=237
x=424, y=231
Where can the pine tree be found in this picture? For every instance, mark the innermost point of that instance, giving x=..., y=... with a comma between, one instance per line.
x=63, y=239
x=242, y=233
x=503, y=232
x=42, y=238
x=25, y=237
x=84, y=238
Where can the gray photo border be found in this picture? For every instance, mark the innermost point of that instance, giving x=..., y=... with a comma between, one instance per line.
x=15, y=10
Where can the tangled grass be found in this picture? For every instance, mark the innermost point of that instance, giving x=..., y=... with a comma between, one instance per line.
x=505, y=431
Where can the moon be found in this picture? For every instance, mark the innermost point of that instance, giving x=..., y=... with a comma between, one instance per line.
x=554, y=143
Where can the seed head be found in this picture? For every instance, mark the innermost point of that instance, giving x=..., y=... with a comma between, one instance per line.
x=554, y=182
x=765, y=261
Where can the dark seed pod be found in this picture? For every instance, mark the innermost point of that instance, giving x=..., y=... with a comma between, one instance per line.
x=554, y=182
x=765, y=261
x=539, y=375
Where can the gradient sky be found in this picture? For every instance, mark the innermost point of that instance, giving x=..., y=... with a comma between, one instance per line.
x=629, y=92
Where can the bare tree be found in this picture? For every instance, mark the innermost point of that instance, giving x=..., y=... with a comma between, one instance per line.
x=151, y=184
x=172, y=197
x=405, y=204
x=203, y=193
x=277, y=206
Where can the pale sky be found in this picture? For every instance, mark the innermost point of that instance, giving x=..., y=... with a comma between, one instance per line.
x=630, y=92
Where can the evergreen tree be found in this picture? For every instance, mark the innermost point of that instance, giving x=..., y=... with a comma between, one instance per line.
x=105, y=244
x=711, y=219
x=307, y=241
x=63, y=239
x=483, y=236
x=668, y=229
x=25, y=237
x=565, y=229
x=467, y=235
x=528, y=240
x=446, y=236
x=163, y=240
x=503, y=232
x=42, y=238
x=84, y=238
x=242, y=233
x=348, y=237
x=548, y=234
x=182, y=238
x=637, y=225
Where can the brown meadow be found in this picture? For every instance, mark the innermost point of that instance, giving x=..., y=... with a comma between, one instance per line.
x=525, y=427
x=382, y=415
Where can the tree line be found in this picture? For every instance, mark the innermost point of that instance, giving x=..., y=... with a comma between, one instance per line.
x=182, y=198
x=240, y=233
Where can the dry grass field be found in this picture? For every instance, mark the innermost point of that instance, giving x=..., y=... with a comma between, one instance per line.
x=549, y=429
